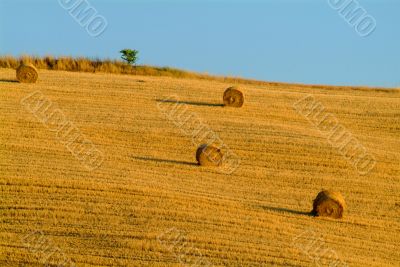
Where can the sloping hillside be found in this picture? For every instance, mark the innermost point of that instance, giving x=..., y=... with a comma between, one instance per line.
x=119, y=185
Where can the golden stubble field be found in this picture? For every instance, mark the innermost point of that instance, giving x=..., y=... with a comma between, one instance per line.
x=149, y=204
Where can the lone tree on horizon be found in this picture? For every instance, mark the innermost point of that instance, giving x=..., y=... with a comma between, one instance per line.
x=129, y=55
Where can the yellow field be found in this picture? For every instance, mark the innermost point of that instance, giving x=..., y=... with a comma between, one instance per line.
x=149, y=204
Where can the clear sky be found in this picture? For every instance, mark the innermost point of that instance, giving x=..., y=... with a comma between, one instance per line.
x=275, y=40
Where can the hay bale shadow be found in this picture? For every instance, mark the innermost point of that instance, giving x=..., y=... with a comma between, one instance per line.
x=167, y=161
x=8, y=81
x=192, y=103
x=285, y=210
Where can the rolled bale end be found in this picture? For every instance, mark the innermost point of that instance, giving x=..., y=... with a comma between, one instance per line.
x=27, y=73
x=209, y=155
x=329, y=204
x=233, y=97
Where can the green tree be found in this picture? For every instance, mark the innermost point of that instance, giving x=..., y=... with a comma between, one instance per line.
x=129, y=55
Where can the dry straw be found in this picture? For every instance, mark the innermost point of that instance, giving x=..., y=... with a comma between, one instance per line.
x=233, y=97
x=329, y=204
x=208, y=155
x=27, y=73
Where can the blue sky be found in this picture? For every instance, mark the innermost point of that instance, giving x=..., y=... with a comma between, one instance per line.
x=275, y=40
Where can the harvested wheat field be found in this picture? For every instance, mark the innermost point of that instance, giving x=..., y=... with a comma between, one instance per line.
x=141, y=199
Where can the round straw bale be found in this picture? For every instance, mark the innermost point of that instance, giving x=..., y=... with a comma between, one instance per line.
x=329, y=204
x=27, y=73
x=233, y=97
x=208, y=155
